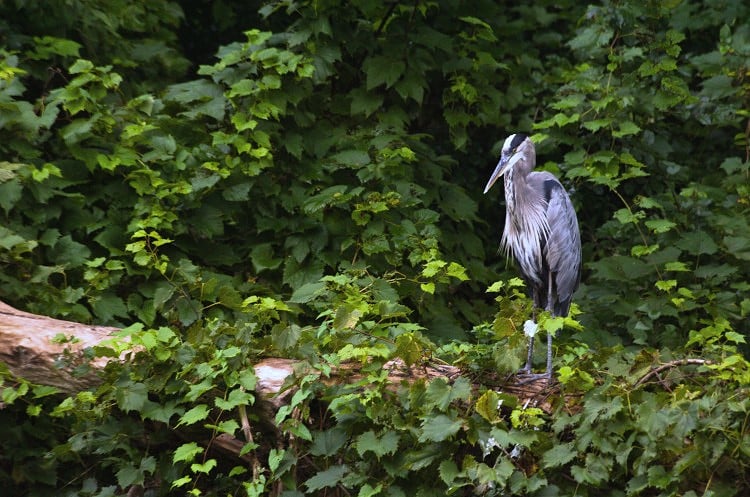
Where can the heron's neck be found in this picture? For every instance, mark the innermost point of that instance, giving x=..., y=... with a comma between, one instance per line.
x=524, y=205
x=512, y=193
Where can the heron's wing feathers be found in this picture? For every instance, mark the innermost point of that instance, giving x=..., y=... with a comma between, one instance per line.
x=563, y=243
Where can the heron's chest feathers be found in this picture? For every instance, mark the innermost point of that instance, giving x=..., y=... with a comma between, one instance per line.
x=526, y=224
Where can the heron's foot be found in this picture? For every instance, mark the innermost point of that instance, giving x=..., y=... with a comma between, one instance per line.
x=526, y=370
x=525, y=375
x=523, y=378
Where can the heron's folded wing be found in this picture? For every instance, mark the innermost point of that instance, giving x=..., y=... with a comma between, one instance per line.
x=564, y=242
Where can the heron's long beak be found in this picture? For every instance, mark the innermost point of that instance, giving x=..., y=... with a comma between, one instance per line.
x=502, y=167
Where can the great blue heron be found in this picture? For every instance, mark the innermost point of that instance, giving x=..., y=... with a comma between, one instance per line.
x=541, y=231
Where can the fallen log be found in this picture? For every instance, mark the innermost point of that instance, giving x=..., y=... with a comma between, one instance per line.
x=45, y=351
x=31, y=346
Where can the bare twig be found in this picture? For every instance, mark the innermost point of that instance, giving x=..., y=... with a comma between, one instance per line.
x=245, y=424
x=247, y=430
x=668, y=365
x=385, y=18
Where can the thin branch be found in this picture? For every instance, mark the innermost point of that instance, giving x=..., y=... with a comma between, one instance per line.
x=385, y=18
x=668, y=365
x=247, y=430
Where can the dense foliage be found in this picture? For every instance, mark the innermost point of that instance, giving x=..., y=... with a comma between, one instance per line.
x=313, y=191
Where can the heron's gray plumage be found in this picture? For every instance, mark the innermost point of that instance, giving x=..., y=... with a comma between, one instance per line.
x=563, y=251
x=541, y=230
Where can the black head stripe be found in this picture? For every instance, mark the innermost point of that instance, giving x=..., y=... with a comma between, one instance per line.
x=517, y=140
x=549, y=186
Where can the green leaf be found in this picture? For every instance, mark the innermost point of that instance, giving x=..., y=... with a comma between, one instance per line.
x=448, y=471
x=197, y=413
x=80, y=66
x=229, y=426
x=203, y=467
x=456, y=271
x=367, y=490
x=439, y=428
x=69, y=251
x=697, y=242
x=619, y=268
x=158, y=412
x=186, y=452
x=10, y=194
x=275, y=457
x=237, y=397
x=263, y=258
x=356, y=158
x=327, y=478
x=129, y=475
x=365, y=102
x=738, y=246
x=328, y=442
x=237, y=471
x=559, y=120
x=660, y=225
x=593, y=125
x=719, y=86
x=558, y=455
x=308, y=292
x=382, y=70
x=247, y=379
x=107, y=306
x=488, y=406
x=595, y=471
x=385, y=444
x=412, y=85
x=735, y=337
x=440, y=394
x=643, y=250
x=193, y=91
x=40, y=391
x=132, y=396
x=346, y=318
x=730, y=165
x=47, y=46
x=432, y=268
x=554, y=324
x=287, y=337
x=420, y=457
x=181, y=481
x=327, y=197
x=626, y=128
x=666, y=285
x=428, y=287
x=676, y=266
x=591, y=36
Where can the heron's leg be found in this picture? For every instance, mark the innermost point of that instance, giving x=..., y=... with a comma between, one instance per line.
x=530, y=353
x=549, y=355
x=549, y=335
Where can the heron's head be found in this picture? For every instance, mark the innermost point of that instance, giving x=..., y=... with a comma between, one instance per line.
x=517, y=148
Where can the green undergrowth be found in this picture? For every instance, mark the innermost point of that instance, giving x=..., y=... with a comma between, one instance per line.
x=302, y=180
x=621, y=421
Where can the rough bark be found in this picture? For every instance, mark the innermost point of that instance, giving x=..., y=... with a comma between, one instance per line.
x=32, y=346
